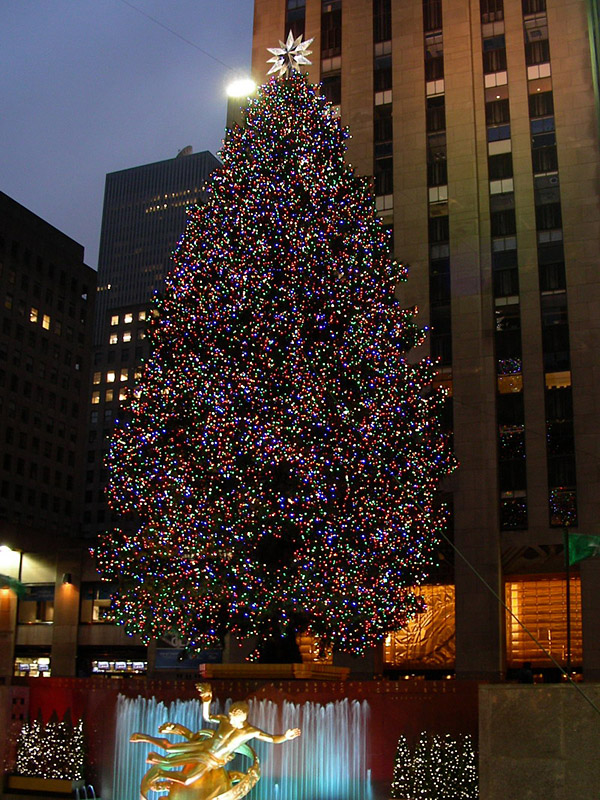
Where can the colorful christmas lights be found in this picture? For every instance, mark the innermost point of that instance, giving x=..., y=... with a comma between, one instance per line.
x=277, y=464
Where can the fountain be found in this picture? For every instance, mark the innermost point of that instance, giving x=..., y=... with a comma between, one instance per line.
x=328, y=762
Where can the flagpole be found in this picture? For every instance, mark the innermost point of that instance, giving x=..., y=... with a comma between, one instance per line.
x=568, y=574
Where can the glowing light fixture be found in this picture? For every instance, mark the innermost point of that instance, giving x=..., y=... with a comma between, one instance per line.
x=242, y=87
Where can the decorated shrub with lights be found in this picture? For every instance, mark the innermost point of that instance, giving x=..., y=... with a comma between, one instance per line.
x=278, y=462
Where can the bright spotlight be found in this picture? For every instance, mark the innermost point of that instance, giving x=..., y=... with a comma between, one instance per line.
x=243, y=87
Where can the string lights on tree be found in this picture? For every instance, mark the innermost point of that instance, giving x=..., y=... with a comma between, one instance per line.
x=439, y=768
x=51, y=750
x=277, y=464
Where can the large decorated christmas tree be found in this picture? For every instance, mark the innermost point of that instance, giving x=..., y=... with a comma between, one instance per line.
x=278, y=461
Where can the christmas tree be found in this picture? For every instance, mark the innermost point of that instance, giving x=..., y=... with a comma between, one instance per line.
x=277, y=464
x=402, y=779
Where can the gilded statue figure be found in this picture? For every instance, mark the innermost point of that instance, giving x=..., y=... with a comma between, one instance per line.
x=195, y=768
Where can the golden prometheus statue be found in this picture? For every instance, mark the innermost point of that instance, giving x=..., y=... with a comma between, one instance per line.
x=195, y=769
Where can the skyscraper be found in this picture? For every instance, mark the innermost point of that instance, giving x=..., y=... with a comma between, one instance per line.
x=45, y=343
x=46, y=319
x=478, y=121
x=142, y=220
x=144, y=216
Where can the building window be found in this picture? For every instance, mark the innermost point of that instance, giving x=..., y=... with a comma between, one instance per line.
x=114, y=320
x=95, y=397
x=384, y=176
x=491, y=11
x=331, y=87
x=33, y=315
x=540, y=605
x=435, y=114
x=37, y=606
x=331, y=28
x=113, y=339
x=295, y=17
x=494, y=55
x=432, y=15
x=382, y=73
x=95, y=602
x=537, y=52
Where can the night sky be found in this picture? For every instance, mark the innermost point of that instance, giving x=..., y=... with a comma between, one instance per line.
x=93, y=86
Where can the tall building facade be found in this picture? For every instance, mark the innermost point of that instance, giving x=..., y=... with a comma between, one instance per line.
x=144, y=217
x=142, y=221
x=46, y=318
x=478, y=120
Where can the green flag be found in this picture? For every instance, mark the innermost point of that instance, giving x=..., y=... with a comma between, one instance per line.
x=12, y=583
x=582, y=546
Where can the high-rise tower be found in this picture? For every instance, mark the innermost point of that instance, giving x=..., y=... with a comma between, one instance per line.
x=478, y=120
x=143, y=218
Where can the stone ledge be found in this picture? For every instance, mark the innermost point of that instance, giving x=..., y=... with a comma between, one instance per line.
x=308, y=671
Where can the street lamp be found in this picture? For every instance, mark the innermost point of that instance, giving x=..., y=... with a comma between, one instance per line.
x=238, y=91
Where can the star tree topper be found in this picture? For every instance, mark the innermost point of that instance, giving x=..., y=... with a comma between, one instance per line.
x=289, y=56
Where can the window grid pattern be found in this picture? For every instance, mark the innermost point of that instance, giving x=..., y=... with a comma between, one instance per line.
x=541, y=605
x=560, y=440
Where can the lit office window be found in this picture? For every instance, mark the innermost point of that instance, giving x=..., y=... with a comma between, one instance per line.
x=46, y=322
x=114, y=320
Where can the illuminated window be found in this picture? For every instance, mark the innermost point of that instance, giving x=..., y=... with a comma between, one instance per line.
x=123, y=394
x=33, y=315
x=127, y=336
x=111, y=376
x=113, y=338
x=124, y=374
x=141, y=316
x=541, y=606
x=138, y=374
x=97, y=377
x=128, y=318
x=428, y=641
x=114, y=320
x=46, y=322
x=109, y=395
x=507, y=384
x=34, y=667
x=95, y=397
x=558, y=380
x=141, y=334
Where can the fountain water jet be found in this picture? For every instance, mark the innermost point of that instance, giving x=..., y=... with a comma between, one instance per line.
x=328, y=762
